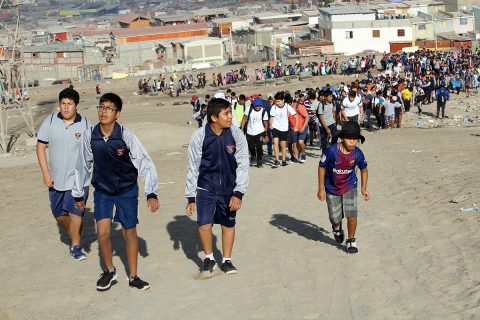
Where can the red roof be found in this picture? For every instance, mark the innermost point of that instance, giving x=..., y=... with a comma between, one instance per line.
x=133, y=32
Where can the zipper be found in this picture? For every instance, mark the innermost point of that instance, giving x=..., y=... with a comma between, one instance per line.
x=219, y=163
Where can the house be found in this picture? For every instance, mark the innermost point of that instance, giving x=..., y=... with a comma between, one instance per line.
x=459, y=22
x=275, y=17
x=53, y=61
x=172, y=20
x=207, y=14
x=455, y=5
x=129, y=35
x=354, y=29
x=311, y=16
x=312, y=47
x=134, y=21
x=223, y=27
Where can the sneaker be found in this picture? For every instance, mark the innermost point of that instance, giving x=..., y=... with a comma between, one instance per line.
x=138, y=283
x=303, y=158
x=77, y=253
x=293, y=161
x=208, y=267
x=351, y=246
x=107, y=279
x=276, y=164
x=259, y=165
x=228, y=267
x=284, y=163
x=338, y=235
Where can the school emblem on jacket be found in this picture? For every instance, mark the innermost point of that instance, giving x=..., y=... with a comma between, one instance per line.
x=78, y=135
x=231, y=148
x=352, y=162
x=120, y=152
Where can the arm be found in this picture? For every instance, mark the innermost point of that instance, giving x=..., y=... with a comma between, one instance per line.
x=307, y=119
x=364, y=177
x=145, y=167
x=82, y=170
x=321, y=194
x=244, y=122
x=193, y=169
x=42, y=161
x=241, y=182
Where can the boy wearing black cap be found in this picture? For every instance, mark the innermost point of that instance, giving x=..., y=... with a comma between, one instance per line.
x=337, y=182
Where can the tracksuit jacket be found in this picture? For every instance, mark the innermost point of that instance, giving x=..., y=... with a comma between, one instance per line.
x=117, y=162
x=218, y=164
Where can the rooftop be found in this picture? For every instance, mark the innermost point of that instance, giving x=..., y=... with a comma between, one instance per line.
x=54, y=47
x=350, y=9
x=133, y=32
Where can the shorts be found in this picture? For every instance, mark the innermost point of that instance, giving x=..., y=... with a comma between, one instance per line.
x=296, y=136
x=62, y=202
x=126, y=206
x=281, y=135
x=353, y=118
x=398, y=112
x=212, y=208
x=342, y=206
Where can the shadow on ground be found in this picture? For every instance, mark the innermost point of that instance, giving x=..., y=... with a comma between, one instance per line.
x=303, y=228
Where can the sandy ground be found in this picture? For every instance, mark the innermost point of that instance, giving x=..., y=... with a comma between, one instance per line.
x=419, y=253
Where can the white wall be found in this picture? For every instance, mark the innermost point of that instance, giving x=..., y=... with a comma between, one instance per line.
x=353, y=17
x=363, y=39
x=470, y=26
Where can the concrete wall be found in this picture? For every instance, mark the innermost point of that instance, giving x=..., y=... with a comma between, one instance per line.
x=136, y=53
x=476, y=13
x=423, y=34
x=464, y=28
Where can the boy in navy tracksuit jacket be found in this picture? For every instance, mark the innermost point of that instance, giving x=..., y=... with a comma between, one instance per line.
x=217, y=179
x=118, y=158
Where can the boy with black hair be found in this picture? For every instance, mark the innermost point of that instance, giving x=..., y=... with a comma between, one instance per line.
x=279, y=124
x=337, y=182
x=217, y=179
x=255, y=121
x=327, y=121
x=62, y=132
x=118, y=158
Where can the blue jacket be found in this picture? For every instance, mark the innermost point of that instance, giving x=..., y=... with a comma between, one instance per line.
x=217, y=163
x=442, y=91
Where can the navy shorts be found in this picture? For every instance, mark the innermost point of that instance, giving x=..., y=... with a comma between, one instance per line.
x=281, y=135
x=296, y=136
x=126, y=206
x=212, y=208
x=62, y=203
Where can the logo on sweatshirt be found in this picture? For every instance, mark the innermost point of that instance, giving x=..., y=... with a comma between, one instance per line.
x=230, y=148
x=120, y=152
x=78, y=135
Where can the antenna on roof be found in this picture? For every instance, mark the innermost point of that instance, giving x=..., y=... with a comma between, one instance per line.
x=12, y=77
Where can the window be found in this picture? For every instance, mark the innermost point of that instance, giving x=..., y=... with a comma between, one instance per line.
x=422, y=26
x=35, y=55
x=348, y=34
x=463, y=21
x=401, y=32
x=376, y=33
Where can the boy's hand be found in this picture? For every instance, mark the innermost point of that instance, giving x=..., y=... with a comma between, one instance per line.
x=321, y=195
x=190, y=210
x=153, y=204
x=80, y=205
x=366, y=195
x=48, y=180
x=235, y=204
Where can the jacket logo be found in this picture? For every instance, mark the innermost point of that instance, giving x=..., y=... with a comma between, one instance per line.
x=120, y=152
x=78, y=135
x=230, y=148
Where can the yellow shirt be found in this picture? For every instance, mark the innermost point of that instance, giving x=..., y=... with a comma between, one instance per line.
x=406, y=94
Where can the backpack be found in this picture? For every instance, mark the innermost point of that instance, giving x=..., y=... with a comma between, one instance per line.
x=443, y=96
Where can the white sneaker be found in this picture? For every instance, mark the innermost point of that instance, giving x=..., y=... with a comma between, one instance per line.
x=352, y=246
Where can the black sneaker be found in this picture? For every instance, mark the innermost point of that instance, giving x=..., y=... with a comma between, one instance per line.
x=276, y=164
x=259, y=165
x=284, y=163
x=138, y=283
x=208, y=267
x=228, y=267
x=107, y=279
x=338, y=234
x=351, y=246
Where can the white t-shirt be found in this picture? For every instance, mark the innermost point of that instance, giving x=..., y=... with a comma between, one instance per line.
x=351, y=108
x=280, y=116
x=255, y=122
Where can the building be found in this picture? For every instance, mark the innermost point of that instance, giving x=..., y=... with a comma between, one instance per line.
x=455, y=5
x=206, y=14
x=172, y=20
x=355, y=29
x=311, y=47
x=459, y=22
x=275, y=17
x=53, y=61
x=134, y=21
x=223, y=27
x=476, y=13
x=129, y=35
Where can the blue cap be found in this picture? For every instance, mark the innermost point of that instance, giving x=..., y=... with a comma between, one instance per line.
x=257, y=102
x=332, y=88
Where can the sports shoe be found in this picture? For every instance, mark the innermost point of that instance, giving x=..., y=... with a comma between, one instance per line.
x=259, y=165
x=77, y=253
x=293, y=161
x=303, y=158
x=107, y=279
x=351, y=246
x=276, y=164
x=338, y=234
x=228, y=267
x=284, y=163
x=208, y=267
x=138, y=283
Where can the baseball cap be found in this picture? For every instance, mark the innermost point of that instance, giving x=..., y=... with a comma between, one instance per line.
x=194, y=98
x=257, y=102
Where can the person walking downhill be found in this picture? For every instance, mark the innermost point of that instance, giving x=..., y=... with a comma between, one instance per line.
x=279, y=124
x=256, y=122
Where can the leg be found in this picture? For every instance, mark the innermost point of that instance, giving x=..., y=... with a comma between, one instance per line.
x=104, y=241
x=351, y=226
x=438, y=109
x=64, y=222
x=75, y=228
x=228, y=237
x=205, y=234
x=276, y=147
x=259, y=148
x=284, y=149
x=131, y=244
